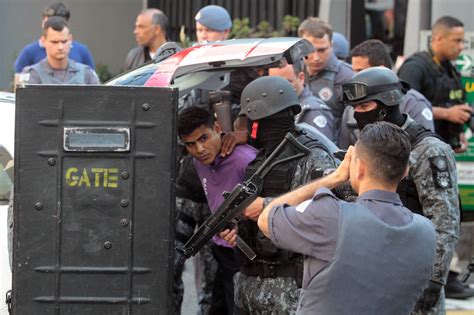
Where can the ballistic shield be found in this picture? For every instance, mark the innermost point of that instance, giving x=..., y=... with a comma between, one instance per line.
x=94, y=200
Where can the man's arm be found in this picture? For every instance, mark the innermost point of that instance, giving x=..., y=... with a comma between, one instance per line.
x=338, y=177
x=435, y=178
x=458, y=114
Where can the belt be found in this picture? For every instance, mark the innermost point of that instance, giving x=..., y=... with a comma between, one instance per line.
x=264, y=270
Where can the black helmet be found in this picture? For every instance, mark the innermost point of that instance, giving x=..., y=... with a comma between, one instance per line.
x=374, y=84
x=267, y=96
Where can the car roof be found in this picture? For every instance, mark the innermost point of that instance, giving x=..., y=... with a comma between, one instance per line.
x=194, y=66
x=7, y=97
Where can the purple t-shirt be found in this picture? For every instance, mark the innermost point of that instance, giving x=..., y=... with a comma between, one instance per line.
x=223, y=175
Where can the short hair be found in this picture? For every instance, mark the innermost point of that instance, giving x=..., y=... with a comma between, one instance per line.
x=299, y=66
x=57, y=9
x=158, y=18
x=192, y=118
x=376, y=52
x=386, y=149
x=445, y=23
x=315, y=27
x=56, y=23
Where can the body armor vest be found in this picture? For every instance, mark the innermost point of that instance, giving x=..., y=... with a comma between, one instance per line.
x=78, y=78
x=448, y=92
x=407, y=188
x=362, y=264
x=276, y=182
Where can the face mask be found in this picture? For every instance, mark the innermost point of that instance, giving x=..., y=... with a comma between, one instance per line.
x=369, y=117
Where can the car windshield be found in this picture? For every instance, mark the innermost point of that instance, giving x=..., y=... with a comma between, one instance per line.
x=135, y=77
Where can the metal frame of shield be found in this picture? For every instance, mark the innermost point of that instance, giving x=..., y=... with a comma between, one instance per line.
x=94, y=200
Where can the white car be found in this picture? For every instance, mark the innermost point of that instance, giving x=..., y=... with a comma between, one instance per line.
x=7, y=141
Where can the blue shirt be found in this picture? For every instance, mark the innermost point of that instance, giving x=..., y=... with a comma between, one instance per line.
x=223, y=175
x=34, y=53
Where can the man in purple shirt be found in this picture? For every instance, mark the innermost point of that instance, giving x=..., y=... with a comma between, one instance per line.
x=202, y=139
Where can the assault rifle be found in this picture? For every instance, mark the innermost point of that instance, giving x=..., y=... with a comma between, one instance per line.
x=236, y=201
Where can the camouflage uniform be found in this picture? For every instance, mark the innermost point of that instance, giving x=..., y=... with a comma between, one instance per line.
x=189, y=215
x=279, y=295
x=433, y=170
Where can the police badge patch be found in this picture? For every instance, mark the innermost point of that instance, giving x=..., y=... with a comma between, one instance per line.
x=440, y=170
x=325, y=94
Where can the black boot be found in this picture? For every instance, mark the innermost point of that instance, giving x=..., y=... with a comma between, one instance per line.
x=455, y=289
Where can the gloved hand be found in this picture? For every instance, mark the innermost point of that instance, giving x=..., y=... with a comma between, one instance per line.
x=429, y=297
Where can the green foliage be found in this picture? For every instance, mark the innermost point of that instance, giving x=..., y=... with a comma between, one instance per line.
x=241, y=28
x=103, y=72
x=183, y=38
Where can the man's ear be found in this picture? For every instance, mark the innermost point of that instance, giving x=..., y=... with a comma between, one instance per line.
x=361, y=168
x=301, y=77
x=158, y=30
x=217, y=128
x=42, y=40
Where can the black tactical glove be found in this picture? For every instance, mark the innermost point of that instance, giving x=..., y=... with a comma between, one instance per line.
x=429, y=297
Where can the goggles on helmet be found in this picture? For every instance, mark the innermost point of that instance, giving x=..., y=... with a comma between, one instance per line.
x=357, y=91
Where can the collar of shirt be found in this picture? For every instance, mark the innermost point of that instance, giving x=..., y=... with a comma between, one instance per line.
x=381, y=195
x=71, y=66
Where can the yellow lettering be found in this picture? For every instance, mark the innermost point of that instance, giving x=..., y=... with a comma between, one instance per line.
x=97, y=172
x=108, y=178
x=111, y=180
x=84, y=179
x=469, y=89
x=71, y=180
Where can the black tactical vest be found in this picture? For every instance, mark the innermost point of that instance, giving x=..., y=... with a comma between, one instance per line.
x=447, y=91
x=276, y=182
x=407, y=188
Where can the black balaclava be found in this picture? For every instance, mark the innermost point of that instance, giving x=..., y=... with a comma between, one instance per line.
x=272, y=130
x=381, y=112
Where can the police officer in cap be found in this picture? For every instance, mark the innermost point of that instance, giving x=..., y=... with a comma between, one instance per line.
x=431, y=185
x=271, y=282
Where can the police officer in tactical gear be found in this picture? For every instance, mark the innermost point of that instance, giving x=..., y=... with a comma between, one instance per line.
x=373, y=53
x=431, y=185
x=432, y=73
x=271, y=283
x=356, y=256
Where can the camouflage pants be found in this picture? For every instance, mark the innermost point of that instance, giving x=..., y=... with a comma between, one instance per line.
x=255, y=295
x=189, y=215
x=438, y=309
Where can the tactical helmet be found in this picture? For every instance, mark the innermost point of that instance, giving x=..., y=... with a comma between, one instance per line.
x=374, y=84
x=267, y=96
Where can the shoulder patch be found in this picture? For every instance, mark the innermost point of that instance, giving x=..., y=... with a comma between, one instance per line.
x=302, y=206
x=320, y=121
x=427, y=114
x=440, y=171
